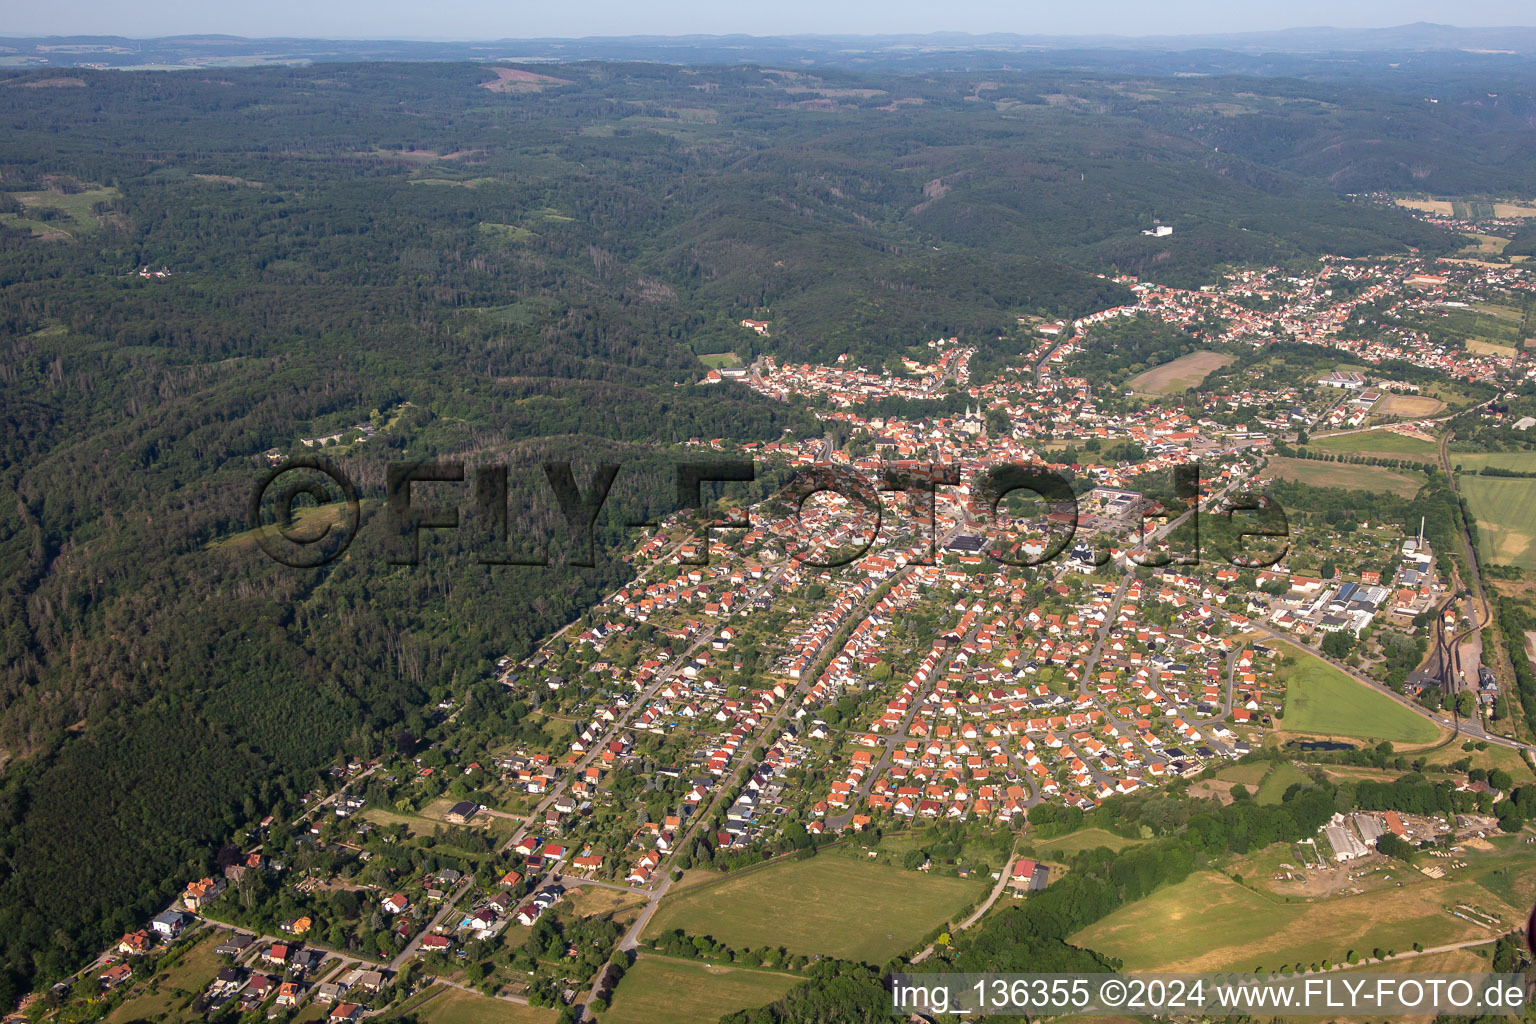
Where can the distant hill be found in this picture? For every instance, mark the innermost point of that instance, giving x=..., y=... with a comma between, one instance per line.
x=1289, y=51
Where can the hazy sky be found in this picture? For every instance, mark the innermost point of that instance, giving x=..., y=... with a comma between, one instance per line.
x=486, y=19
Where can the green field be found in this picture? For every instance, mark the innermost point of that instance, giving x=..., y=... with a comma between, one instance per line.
x=72, y=214
x=1382, y=443
x=1505, y=510
x=827, y=904
x=1403, y=483
x=1210, y=923
x=657, y=990
x=1083, y=839
x=193, y=972
x=1322, y=700
x=720, y=360
x=1281, y=778
x=1179, y=374
x=1471, y=462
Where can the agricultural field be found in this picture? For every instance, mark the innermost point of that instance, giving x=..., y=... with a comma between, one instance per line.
x=1403, y=483
x=1210, y=923
x=826, y=904
x=1471, y=462
x=1469, y=209
x=1505, y=510
x=1180, y=374
x=1488, y=348
x=1324, y=701
x=1384, y=444
x=658, y=989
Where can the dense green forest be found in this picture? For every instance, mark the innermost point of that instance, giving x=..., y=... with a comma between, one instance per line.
x=506, y=278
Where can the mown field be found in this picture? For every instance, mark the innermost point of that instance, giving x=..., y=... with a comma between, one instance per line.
x=1321, y=699
x=657, y=990
x=1178, y=375
x=1355, y=478
x=1505, y=510
x=827, y=904
x=1210, y=923
x=1384, y=444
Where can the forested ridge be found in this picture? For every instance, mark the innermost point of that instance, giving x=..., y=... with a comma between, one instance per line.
x=504, y=278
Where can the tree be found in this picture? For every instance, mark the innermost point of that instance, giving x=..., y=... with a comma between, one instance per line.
x=1338, y=645
x=1466, y=704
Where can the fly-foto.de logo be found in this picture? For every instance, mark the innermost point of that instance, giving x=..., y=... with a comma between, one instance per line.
x=306, y=512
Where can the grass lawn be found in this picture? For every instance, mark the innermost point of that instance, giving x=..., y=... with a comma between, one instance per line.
x=1210, y=923
x=455, y=1006
x=826, y=904
x=1282, y=778
x=1403, y=483
x=1083, y=839
x=1179, y=374
x=720, y=360
x=658, y=990
x=176, y=986
x=1505, y=510
x=1322, y=700
x=1383, y=443
x=415, y=826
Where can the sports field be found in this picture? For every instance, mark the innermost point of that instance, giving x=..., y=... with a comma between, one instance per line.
x=827, y=904
x=1384, y=444
x=657, y=990
x=1210, y=923
x=1322, y=700
x=1505, y=510
x=1408, y=406
x=1179, y=374
x=1403, y=483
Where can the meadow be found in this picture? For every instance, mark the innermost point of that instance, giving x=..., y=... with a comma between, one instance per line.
x=1082, y=839
x=1404, y=484
x=1208, y=922
x=826, y=904
x=1322, y=700
x=657, y=989
x=1179, y=374
x=1384, y=444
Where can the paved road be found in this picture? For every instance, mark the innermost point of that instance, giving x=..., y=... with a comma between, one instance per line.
x=437, y=919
